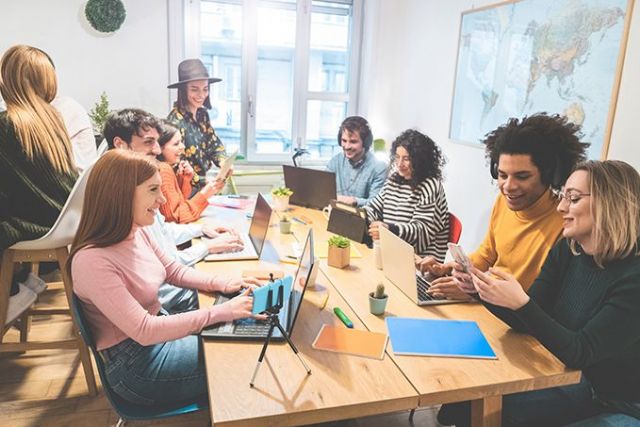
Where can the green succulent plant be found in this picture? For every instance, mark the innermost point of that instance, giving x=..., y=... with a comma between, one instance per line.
x=339, y=241
x=379, y=293
x=281, y=191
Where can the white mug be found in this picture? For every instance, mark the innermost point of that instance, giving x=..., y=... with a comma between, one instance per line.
x=326, y=212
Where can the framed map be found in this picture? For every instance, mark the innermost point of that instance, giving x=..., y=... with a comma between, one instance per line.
x=522, y=57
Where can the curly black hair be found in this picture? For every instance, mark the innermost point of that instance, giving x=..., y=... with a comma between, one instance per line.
x=552, y=142
x=426, y=158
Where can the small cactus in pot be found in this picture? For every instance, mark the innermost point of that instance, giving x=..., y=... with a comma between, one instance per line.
x=378, y=300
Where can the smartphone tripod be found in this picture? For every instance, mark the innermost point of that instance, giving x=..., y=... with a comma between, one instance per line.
x=272, y=313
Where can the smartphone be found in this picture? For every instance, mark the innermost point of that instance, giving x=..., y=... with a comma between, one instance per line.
x=459, y=256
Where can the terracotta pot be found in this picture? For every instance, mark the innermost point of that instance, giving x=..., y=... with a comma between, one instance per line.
x=338, y=257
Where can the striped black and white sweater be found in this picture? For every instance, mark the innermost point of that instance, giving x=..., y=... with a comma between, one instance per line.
x=419, y=216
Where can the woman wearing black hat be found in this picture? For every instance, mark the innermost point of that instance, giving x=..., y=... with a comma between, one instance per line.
x=202, y=146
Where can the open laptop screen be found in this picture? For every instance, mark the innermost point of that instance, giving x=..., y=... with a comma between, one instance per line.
x=300, y=282
x=311, y=188
x=260, y=223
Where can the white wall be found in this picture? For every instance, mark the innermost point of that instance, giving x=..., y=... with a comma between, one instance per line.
x=411, y=75
x=131, y=65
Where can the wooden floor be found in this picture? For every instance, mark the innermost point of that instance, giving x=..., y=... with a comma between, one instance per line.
x=47, y=388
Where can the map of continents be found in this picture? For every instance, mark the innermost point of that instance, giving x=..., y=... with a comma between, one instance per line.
x=538, y=55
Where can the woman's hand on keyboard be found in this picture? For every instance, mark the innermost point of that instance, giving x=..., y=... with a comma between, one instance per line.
x=225, y=243
x=446, y=287
x=430, y=265
x=241, y=305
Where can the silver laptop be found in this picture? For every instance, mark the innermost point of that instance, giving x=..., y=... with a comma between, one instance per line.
x=252, y=329
x=398, y=264
x=254, y=240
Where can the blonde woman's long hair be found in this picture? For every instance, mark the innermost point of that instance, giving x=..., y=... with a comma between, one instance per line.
x=28, y=84
x=615, y=193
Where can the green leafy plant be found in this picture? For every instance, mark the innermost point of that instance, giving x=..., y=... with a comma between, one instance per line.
x=339, y=242
x=99, y=113
x=284, y=218
x=281, y=191
x=379, y=292
x=105, y=16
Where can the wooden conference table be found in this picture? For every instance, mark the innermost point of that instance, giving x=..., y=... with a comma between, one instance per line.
x=343, y=386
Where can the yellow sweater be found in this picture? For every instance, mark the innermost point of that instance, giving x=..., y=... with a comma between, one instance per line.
x=518, y=242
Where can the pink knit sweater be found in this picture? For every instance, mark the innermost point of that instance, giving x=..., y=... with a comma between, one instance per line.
x=118, y=286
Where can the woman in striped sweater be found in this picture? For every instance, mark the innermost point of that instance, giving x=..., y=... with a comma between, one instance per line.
x=412, y=203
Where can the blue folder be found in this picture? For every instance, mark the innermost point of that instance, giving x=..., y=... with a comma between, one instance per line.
x=431, y=337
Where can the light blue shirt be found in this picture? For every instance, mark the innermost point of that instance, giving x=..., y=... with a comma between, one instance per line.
x=168, y=235
x=362, y=180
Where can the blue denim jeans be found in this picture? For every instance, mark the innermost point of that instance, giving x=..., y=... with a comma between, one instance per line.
x=557, y=406
x=169, y=372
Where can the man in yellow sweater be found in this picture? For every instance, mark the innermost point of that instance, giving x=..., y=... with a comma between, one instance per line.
x=529, y=159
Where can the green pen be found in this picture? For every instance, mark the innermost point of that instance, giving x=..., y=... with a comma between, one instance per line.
x=343, y=317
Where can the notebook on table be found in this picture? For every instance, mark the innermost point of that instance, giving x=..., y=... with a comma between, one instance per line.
x=398, y=265
x=435, y=337
x=252, y=329
x=351, y=341
x=253, y=240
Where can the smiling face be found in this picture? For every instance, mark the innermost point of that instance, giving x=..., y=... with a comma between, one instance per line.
x=145, y=141
x=575, y=208
x=197, y=92
x=173, y=150
x=352, y=145
x=519, y=181
x=147, y=200
x=403, y=163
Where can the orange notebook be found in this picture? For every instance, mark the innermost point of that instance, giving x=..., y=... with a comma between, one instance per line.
x=351, y=341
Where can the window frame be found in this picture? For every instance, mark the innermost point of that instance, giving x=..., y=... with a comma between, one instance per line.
x=185, y=42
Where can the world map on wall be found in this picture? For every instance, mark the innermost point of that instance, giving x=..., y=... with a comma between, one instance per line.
x=522, y=58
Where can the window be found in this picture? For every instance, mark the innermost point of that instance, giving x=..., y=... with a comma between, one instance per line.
x=287, y=70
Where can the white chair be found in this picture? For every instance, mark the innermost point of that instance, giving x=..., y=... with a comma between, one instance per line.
x=103, y=147
x=53, y=246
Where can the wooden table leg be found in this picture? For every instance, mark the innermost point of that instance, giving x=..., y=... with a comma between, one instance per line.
x=486, y=412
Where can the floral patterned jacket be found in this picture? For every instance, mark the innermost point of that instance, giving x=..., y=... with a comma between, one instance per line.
x=203, y=148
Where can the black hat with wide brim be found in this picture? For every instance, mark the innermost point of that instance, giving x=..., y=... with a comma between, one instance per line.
x=190, y=70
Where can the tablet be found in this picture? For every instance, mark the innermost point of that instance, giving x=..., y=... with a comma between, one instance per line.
x=226, y=165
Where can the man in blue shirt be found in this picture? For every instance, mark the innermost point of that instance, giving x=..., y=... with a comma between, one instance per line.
x=359, y=175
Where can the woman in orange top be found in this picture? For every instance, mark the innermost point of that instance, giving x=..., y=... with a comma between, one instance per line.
x=176, y=173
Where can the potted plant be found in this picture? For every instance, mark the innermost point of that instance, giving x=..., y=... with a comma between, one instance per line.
x=339, y=252
x=281, y=198
x=98, y=116
x=378, y=300
x=285, y=224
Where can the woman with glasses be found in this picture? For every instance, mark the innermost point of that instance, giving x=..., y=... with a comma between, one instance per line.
x=412, y=203
x=584, y=307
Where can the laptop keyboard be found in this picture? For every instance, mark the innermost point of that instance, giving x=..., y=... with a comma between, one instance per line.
x=248, y=326
x=423, y=286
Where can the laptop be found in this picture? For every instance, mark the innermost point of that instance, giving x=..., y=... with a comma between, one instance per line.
x=311, y=188
x=398, y=264
x=256, y=330
x=254, y=239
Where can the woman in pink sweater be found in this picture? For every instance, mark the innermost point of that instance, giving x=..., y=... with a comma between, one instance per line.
x=117, y=268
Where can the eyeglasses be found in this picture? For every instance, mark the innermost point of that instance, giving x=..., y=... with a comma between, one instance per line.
x=571, y=197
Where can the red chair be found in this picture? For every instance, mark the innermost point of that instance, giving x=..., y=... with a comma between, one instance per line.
x=455, y=228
